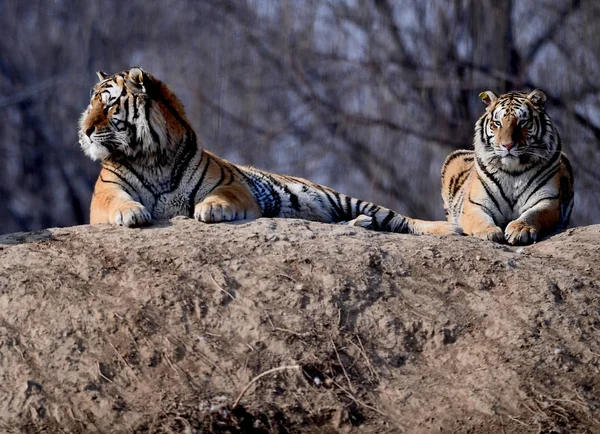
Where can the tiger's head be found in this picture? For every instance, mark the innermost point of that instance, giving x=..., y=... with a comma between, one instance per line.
x=515, y=131
x=132, y=115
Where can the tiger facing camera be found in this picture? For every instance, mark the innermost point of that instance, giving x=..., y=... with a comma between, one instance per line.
x=516, y=185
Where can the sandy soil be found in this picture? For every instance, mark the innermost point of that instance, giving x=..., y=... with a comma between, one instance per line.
x=161, y=329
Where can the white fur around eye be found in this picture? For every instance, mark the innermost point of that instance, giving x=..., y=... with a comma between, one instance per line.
x=110, y=95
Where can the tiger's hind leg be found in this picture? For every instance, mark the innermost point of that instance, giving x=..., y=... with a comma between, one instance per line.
x=233, y=202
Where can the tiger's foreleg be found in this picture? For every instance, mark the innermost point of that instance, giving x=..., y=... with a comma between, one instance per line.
x=542, y=218
x=112, y=204
x=227, y=203
x=476, y=219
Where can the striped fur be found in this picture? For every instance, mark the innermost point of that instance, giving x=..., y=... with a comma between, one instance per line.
x=516, y=185
x=153, y=167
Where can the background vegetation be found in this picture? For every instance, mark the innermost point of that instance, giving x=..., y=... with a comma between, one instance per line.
x=365, y=96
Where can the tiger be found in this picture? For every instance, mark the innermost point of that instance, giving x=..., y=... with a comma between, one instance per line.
x=153, y=167
x=516, y=185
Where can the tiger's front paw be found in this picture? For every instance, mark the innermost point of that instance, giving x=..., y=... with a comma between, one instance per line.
x=520, y=233
x=130, y=214
x=214, y=210
x=438, y=228
x=490, y=233
x=362, y=221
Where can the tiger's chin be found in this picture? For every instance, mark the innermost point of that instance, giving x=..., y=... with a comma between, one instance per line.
x=510, y=162
x=93, y=150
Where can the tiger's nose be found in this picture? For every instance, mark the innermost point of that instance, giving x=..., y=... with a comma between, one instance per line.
x=508, y=145
x=90, y=131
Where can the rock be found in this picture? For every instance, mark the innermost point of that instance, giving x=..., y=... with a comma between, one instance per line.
x=161, y=329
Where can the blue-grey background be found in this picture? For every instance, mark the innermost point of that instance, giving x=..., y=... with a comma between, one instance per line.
x=366, y=96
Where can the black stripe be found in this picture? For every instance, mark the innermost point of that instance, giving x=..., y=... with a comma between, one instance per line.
x=186, y=155
x=543, y=182
x=456, y=205
x=547, y=165
x=147, y=186
x=135, y=107
x=122, y=178
x=338, y=199
x=192, y=198
x=357, y=204
x=123, y=187
x=457, y=181
x=230, y=176
x=485, y=208
x=219, y=182
x=387, y=219
x=544, y=198
x=263, y=189
x=373, y=210
x=348, y=209
x=337, y=214
x=489, y=175
x=490, y=194
x=153, y=133
x=241, y=173
x=453, y=156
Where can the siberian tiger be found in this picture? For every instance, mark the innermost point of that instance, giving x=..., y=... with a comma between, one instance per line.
x=517, y=185
x=153, y=167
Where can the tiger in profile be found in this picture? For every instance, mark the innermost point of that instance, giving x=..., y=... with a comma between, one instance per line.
x=154, y=168
x=516, y=185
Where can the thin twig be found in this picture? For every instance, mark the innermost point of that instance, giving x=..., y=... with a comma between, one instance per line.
x=104, y=376
x=300, y=335
x=221, y=288
x=269, y=318
x=287, y=277
x=361, y=350
x=123, y=360
x=342, y=365
x=258, y=377
x=569, y=401
x=359, y=402
x=517, y=420
x=281, y=329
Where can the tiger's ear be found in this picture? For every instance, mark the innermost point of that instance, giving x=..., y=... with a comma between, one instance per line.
x=102, y=75
x=488, y=97
x=137, y=75
x=537, y=98
x=139, y=80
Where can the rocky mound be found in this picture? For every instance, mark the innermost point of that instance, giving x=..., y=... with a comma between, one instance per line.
x=290, y=326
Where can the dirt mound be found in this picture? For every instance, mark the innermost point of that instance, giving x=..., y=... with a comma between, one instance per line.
x=169, y=328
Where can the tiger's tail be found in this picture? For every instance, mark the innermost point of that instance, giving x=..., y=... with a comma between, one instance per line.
x=375, y=217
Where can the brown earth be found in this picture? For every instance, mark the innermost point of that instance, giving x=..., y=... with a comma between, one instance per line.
x=160, y=329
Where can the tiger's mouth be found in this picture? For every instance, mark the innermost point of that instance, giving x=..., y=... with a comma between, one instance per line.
x=104, y=144
x=94, y=148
